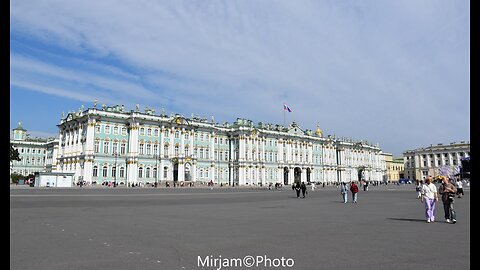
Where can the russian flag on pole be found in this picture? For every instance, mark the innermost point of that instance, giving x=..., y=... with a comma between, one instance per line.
x=286, y=108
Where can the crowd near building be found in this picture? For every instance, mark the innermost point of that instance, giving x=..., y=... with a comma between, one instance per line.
x=109, y=144
x=431, y=160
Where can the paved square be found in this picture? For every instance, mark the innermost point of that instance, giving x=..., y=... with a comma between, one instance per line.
x=121, y=228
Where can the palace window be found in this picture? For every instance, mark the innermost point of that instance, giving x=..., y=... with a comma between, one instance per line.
x=141, y=148
x=156, y=132
x=97, y=128
x=148, y=149
x=97, y=147
x=95, y=171
x=115, y=130
x=149, y=132
x=154, y=173
x=186, y=151
x=147, y=173
x=114, y=171
x=155, y=149
x=140, y=172
x=165, y=150
x=122, y=172
x=122, y=149
x=177, y=134
x=124, y=131
x=142, y=131
x=176, y=150
x=165, y=172
x=115, y=147
x=104, y=171
x=105, y=147
x=107, y=129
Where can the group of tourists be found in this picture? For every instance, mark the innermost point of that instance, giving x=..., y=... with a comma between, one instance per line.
x=429, y=196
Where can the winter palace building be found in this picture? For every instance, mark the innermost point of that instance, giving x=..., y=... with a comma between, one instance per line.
x=130, y=147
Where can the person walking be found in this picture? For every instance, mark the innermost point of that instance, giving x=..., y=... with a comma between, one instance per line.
x=459, y=188
x=354, y=190
x=297, y=189
x=344, y=192
x=429, y=198
x=448, y=190
x=303, y=187
x=418, y=189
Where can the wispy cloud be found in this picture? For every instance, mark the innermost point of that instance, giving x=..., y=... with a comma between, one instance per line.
x=363, y=69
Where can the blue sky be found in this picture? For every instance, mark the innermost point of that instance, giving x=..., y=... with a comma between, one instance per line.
x=396, y=73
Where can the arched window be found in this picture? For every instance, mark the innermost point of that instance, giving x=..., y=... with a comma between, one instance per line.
x=140, y=172
x=95, y=171
x=165, y=172
x=154, y=175
x=201, y=173
x=105, y=147
x=104, y=171
x=165, y=150
x=148, y=149
x=122, y=172
x=176, y=150
x=147, y=173
x=114, y=171
x=97, y=147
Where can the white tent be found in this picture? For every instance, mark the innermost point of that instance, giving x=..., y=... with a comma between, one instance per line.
x=53, y=179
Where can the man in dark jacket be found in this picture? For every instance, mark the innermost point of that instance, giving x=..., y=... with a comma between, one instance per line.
x=297, y=189
x=354, y=190
x=303, y=187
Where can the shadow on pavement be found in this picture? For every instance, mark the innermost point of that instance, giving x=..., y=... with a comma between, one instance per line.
x=408, y=219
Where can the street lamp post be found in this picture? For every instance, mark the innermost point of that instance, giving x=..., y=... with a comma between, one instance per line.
x=115, y=154
x=157, y=157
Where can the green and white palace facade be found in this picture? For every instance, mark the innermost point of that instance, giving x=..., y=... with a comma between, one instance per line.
x=110, y=144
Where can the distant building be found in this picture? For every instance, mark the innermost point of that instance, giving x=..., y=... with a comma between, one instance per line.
x=395, y=168
x=36, y=154
x=425, y=161
x=132, y=147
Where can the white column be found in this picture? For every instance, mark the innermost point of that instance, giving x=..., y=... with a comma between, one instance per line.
x=241, y=175
x=132, y=166
x=194, y=171
x=191, y=145
x=182, y=143
x=172, y=142
x=280, y=151
x=89, y=158
x=181, y=171
x=263, y=150
x=241, y=148
x=211, y=157
x=160, y=171
x=162, y=143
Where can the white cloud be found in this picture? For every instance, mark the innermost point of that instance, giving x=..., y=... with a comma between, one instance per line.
x=364, y=60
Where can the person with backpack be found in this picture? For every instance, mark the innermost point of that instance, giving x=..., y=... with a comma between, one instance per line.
x=354, y=190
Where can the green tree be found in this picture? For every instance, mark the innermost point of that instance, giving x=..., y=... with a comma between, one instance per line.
x=14, y=154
